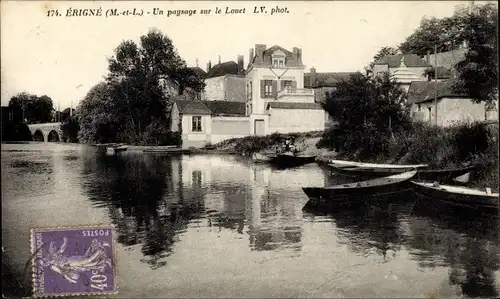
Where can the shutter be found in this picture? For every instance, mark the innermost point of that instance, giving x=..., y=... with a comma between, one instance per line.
x=282, y=84
x=275, y=89
x=262, y=88
x=294, y=84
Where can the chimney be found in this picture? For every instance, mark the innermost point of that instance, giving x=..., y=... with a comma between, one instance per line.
x=259, y=51
x=240, y=64
x=312, y=77
x=219, y=59
x=250, y=56
x=196, y=62
x=299, y=57
x=295, y=53
x=209, y=66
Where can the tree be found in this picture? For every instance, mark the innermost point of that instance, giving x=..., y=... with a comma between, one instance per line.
x=138, y=77
x=382, y=53
x=96, y=115
x=446, y=34
x=367, y=111
x=71, y=128
x=478, y=72
x=31, y=108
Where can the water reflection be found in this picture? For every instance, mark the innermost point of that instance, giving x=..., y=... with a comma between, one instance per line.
x=465, y=241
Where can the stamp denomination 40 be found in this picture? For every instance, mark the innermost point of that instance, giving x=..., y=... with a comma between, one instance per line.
x=73, y=261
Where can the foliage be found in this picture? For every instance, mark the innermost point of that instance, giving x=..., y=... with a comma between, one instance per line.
x=133, y=104
x=382, y=53
x=16, y=132
x=367, y=110
x=34, y=109
x=70, y=128
x=446, y=34
x=478, y=72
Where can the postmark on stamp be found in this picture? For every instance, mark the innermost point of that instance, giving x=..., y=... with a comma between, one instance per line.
x=73, y=261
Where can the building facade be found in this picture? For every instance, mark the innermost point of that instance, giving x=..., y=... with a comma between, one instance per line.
x=275, y=80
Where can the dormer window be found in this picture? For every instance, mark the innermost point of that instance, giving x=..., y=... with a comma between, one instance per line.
x=278, y=58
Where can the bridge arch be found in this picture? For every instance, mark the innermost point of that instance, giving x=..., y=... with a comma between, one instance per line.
x=38, y=136
x=53, y=136
x=46, y=132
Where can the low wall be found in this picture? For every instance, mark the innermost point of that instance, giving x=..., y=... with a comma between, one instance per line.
x=224, y=128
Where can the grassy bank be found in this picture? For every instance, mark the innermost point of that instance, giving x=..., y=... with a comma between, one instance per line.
x=253, y=144
x=439, y=147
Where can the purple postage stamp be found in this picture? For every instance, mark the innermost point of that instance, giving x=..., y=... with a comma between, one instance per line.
x=73, y=261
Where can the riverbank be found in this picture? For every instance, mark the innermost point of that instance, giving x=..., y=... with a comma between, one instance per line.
x=440, y=148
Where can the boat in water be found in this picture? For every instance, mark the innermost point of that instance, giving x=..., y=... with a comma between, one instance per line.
x=292, y=160
x=456, y=195
x=440, y=175
x=262, y=157
x=386, y=185
x=348, y=164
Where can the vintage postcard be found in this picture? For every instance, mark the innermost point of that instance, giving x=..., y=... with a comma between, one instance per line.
x=234, y=149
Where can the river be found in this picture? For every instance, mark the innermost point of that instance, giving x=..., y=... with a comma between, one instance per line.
x=221, y=226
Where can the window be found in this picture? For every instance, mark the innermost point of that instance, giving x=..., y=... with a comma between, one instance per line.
x=268, y=88
x=196, y=178
x=419, y=107
x=279, y=62
x=287, y=84
x=196, y=125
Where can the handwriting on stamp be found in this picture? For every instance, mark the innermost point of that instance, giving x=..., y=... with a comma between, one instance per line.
x=73, y=261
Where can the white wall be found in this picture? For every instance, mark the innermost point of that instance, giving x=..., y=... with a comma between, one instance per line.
x=224, y=128
x=296, y=120
x=196, y=139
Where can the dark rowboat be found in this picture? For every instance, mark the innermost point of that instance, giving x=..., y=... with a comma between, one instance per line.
x=291, y=160
x=378, y=186
x=461, y=196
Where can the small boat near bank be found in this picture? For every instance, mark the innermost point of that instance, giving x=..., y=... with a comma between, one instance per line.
x=378, y=186
x=292, y=160
x=262, y=158
x=456, y=195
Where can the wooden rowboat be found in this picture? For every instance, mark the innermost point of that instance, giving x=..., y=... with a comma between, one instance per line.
x=291, y=160
x=260, y=158
x=386, y=185
x=461, y=196
x=343, y=163
x=440, y=175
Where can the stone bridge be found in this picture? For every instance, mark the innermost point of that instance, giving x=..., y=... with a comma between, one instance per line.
x=46, y=132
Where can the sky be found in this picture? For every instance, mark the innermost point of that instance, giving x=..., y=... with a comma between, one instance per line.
x=63, y=57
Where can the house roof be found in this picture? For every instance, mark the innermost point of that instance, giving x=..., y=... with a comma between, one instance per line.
x=226, y=108
x=442, y=72
x=192, y=107
x=294, y=105
x=222, y=69
x=410, y=60
x=447, y=59
x=201, y=73
x=267, y=57
x=327, y=79
x=423, y=91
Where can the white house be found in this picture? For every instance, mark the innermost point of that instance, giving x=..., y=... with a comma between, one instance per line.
x=276, y=98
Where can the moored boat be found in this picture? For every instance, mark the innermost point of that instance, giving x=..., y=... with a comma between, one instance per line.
x=291, y=160
x=343, y=163
x=461, y=196
x=260, y=157
x=443, y=175
x=369, y=171
x=378, y=186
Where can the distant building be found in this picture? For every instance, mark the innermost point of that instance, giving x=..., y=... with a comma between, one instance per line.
x=225, y=81
x=452, y=107
x=403, y=68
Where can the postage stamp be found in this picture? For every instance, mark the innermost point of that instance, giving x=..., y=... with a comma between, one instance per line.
x=73, y=261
